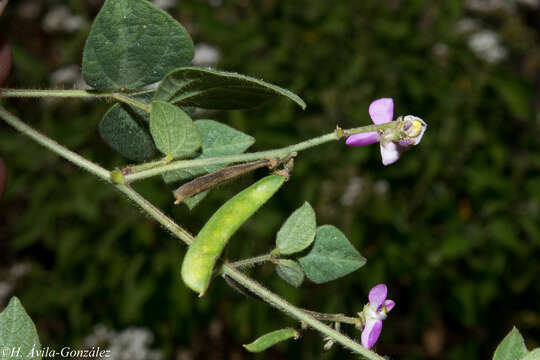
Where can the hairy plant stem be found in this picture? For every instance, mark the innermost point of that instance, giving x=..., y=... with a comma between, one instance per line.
x=148, y=165
x=341, y=318
x=250, y=262
x=187, y=238
x=31, y=93
x=54, y=146
x=156, y=214
x=281, y=153
x=34, y=93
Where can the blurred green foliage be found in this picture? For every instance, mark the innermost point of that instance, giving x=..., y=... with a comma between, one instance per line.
x=451, y=228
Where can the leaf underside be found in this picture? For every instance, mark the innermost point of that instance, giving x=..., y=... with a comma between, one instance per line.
x=213, y=89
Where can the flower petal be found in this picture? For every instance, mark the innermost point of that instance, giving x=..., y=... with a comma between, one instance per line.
x=389, y=304
x=390, y=152
x=382, y=110
x=377, y=295
x=414, y=127
x=362, y=139
x=371, y=333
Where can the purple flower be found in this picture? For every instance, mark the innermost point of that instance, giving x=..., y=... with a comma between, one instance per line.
x=374, y=313
x=393, y=141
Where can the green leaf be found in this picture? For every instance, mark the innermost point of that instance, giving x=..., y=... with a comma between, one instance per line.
x=331, y=257
x=217, y=140
x=298, y=231
x=291, y=272
x=213, y=89
x=173, y=131
x=533, y=355
x=193, y=201
x=220, y=139
x=18, y=333
x=174, y=176
x=123, y=129
x=132, y=44
x=272, y=338
x=144, y=97
x=511, y=347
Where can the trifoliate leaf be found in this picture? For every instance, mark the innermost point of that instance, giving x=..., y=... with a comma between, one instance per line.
x=217, y=140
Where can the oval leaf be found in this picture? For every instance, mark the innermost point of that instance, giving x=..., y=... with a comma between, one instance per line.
x=331, y=257
x=173, y=131
x=291, y=272
x=122, y=128
x=298, y=231
x=132, y=44
x=272, y=338
x=512, y=347
x=213, y=89
x=217, y=140
x=18, y=333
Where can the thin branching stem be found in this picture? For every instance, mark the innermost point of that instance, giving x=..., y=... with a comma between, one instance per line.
x=253, y=261
x=281, y=153
x=54, y=146
x=235, y=274
x=73, y=93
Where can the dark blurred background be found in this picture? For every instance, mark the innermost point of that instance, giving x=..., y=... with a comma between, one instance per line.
x=452, y=228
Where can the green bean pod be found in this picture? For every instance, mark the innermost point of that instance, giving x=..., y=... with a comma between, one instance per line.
x=211, y=240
